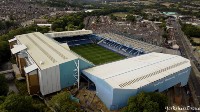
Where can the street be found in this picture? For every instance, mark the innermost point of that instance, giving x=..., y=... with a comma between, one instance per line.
x=187, y=52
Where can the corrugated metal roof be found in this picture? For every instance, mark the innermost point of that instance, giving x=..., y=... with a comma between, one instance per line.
x=139, y=71
x=30, y=68
x=44, y=51
x=11, y=40
x=18, y=48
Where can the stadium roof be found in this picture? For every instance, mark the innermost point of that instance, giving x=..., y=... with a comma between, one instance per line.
x=11, y=40
x=69, y=33
x=133, y=73
x=30, y=68
x=18, y=48
x=44, y=51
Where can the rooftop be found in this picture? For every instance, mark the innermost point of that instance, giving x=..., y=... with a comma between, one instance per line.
x=68, y=33
x=44, y=51
x=143, y=69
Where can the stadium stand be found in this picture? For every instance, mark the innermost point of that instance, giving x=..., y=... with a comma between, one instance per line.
x=139, y=45
x=114, y=42
x=74, y=41
x=120, y=48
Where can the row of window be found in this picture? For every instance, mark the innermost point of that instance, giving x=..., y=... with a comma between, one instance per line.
x=151, y=74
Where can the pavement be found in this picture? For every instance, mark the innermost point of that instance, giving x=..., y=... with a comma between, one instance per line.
x=11, y=82
x=12, y=87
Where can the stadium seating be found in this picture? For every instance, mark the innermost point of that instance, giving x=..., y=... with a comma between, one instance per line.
x=74, y=41
x=131, y=42
x=94, y=38
x=120, y=48
x=116, y=46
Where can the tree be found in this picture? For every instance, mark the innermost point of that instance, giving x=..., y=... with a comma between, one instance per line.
x=4, y=51
x=69, y=22
x=81, y=26
x=165, y=35
x=4, y=46
x=62, y=102
x=2, y=99
x=147, y=102
x=113, y=17
x=17, y=103
x=163, y=25
x=3, y=85
x=71, y=27
x=59, y=29
x=130, y=18
x=191, y=30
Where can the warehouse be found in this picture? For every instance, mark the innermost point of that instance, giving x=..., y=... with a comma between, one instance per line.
x=46, y=64
x=115, y=82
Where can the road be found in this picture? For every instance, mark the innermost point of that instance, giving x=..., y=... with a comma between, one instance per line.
x=187, y=52
x=11, y=82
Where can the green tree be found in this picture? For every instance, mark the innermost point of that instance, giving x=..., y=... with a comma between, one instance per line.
x=130, y=18
x=62, y=102
x=71, y=27
x=72, y=21
x=81, y=26
x=191, y=30
x=147, y=102
x=4, y=46
x=59, y=29
x=4, y=51
x=163, y=25
x=17, y=103
x=2, y=99
x=3, y=85
x=113, y=17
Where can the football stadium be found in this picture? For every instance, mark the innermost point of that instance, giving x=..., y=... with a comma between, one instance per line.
x=118, y=66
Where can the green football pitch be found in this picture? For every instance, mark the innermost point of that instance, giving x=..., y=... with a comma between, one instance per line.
x=96, y=54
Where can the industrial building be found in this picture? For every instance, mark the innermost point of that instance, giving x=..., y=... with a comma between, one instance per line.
x=47, y=65
x=115, y=82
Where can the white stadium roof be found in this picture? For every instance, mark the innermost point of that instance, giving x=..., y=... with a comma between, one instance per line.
x=68, y=33
x=44, y=51
x=18, y=48
x=133, y=73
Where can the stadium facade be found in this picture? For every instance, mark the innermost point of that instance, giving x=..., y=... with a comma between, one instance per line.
x=47, y=65
x=115, y=82
x=50, y=66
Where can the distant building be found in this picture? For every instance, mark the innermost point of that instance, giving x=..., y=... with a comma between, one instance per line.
x=40, y=21
x=45, y=25
x=169, y=13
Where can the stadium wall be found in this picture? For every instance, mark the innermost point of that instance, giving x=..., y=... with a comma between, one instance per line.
x=116, y=98
x=67, y=71
x=67, y=74
x=84, y=65
x=49, y=80
x=103, y=90
x=55, y=78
